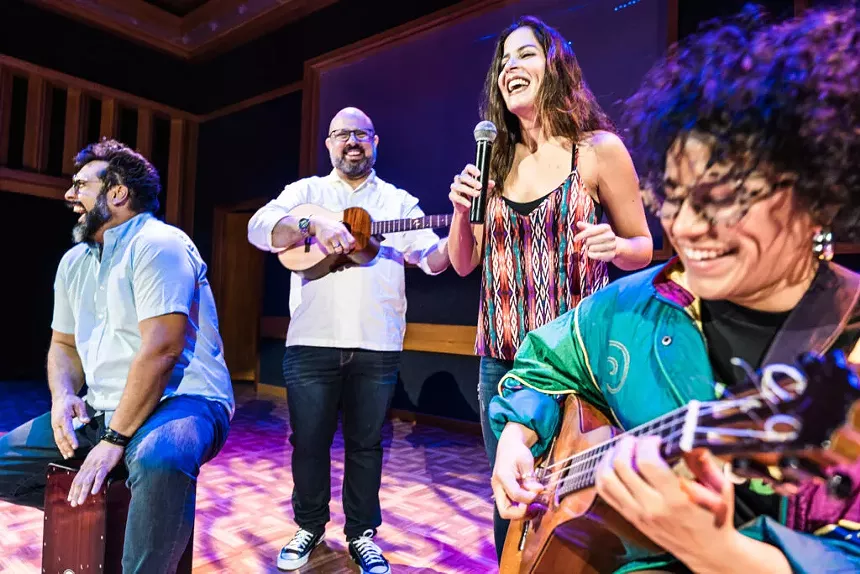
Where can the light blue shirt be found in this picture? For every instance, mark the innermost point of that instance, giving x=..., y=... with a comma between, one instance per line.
x=147, y=268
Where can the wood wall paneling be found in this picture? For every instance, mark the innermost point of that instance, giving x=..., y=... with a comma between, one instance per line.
x=182, y=155
x=846, y=248
x=38, y=119
x=144, y=132
x=75, y=130
x=424, y=337
x=672, y=22
x=237, y=282
x=5, y=112
x=109, y=126
x=175, y=171
x=310, y=121
x=29, y=183
x=186, y=220
x=254, y=101
x=24, y=68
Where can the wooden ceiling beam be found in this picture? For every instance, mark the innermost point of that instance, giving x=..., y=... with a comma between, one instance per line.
x=229, y=34
x=133, y=19
x=212, y=28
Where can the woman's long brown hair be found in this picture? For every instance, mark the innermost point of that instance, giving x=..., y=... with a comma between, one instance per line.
x=566, y=106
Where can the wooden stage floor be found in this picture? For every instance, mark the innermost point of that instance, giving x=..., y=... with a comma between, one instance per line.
x=436, y=498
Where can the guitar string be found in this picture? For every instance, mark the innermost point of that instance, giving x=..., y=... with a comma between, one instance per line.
x=584, y=468
x=401, y=225
x=656, y=423
x=679, y=413
x=596, y=453
x=585, y=476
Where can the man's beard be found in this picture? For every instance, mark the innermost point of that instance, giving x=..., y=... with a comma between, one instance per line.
x=93, y=220
x=354, y=169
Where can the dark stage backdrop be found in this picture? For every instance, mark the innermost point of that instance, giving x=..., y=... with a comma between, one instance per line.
x=423, y=94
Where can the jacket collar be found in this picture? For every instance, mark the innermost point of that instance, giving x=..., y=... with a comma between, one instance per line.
x=813, y=325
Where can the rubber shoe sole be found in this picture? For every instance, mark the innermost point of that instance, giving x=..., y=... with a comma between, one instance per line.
x=289, y=565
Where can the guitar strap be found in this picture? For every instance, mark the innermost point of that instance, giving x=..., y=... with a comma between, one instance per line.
x=831, y=300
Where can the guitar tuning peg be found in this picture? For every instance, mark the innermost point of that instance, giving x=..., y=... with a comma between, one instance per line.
x=840, y=485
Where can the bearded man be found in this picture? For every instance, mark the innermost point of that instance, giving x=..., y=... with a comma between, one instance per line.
x=345, y=337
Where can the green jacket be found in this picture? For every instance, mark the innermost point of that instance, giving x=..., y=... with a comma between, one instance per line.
x=636, y=351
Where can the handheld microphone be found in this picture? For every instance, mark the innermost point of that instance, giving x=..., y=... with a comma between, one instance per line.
x=485, y=135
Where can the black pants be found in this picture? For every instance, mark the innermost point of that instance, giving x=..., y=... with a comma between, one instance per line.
x=319, y=381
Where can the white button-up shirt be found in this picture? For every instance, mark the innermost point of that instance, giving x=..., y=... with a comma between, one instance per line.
x=360, y=307
x=147, y=268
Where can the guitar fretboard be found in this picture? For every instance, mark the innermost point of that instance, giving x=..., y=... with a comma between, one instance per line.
x=400, y=225
x=579, y=471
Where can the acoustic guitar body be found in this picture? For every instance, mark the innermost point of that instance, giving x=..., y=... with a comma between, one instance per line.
x=578, y=534
x=570, y=529
x=311, y=261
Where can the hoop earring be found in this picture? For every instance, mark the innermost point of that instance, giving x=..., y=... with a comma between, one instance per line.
x=822, y=245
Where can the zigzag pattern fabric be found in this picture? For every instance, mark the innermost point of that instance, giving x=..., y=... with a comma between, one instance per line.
x=533, y=272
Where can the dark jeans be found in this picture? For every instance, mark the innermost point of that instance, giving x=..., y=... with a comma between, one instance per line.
x=163, y=460
x=492, y=371
x=319, y=381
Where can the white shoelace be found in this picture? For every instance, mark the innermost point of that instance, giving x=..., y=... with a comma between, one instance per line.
x=300, y=542
x=369, y=552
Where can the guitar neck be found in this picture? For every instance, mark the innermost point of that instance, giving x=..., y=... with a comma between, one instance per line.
x=578, y=472
x=400, y=225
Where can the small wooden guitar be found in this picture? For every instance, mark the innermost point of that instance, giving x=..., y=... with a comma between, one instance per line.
x=783, y=431
x=311, y=261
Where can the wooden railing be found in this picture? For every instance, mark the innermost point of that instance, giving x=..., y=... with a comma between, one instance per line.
x=28, y=90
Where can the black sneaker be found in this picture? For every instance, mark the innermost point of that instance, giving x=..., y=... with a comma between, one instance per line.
x=297, y=551
x=367, y=555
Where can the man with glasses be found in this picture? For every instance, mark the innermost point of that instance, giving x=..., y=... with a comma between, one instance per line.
x=345, y=337
x=134, y=323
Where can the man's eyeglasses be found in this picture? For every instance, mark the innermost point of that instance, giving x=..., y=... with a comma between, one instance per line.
x=78, y=184
x=344, y=135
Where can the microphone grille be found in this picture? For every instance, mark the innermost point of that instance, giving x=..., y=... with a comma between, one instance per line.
x=485, y=131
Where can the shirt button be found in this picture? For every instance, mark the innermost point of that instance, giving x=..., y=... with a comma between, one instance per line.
x=667, y=340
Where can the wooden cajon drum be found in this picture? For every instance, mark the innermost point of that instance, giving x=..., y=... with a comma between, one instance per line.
x=88, y=539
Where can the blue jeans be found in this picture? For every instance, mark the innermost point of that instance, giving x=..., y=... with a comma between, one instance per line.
x=492, y=371
x=320, y=381
x=163, y=461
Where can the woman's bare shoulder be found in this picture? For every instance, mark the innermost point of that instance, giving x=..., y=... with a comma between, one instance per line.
x=602, y=141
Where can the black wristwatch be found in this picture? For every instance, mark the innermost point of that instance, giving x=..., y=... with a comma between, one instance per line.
x=113, y=437
x=305, y=226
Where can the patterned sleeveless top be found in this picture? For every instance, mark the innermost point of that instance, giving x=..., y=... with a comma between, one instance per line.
x=532, y=271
